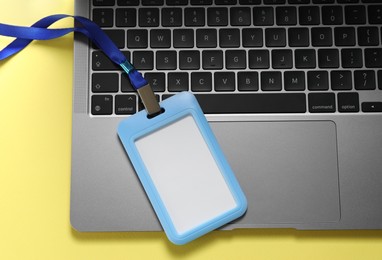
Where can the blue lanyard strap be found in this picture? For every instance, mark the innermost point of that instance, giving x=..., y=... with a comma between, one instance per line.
x=40, y=31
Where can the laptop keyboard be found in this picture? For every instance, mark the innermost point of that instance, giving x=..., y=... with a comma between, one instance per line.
x=243, y=56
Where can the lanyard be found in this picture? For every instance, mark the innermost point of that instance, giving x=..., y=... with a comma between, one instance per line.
x=40, y=31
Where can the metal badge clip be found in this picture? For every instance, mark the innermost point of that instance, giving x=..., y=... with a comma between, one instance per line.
x=143, y=88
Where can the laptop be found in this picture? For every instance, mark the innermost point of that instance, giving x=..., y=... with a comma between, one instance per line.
x=292, y=90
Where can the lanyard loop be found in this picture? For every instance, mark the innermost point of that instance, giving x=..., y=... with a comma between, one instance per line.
x=39, y=31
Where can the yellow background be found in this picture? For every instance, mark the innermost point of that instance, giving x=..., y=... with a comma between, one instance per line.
x=35, y=137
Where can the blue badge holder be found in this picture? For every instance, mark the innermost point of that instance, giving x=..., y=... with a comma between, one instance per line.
x=182, y=169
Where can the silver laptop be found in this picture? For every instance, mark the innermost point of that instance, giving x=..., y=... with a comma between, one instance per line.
x=292, y=90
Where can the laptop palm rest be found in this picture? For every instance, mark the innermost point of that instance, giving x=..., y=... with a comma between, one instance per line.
x=288, y=170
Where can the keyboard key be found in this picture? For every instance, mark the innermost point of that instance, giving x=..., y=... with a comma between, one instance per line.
x=375, y=14
x=125, y=104
x=328, y=58
x=248, y=81
x=250, y=2
x=298, y=37
x=364, y=79
x=282, y=59
x=286, y=15
x=152, y=2
x=101, y=62
x=294, y=80
x=166, y=60
x=351, y=58
x=212, y=60
x=148, y=17
x=189, y=60
x=225, y=2
x=117, y=36
x=176, y=2
x=128, y=2
x=194, y=17
x=224, y=81
x=373, y=57
x=156, y=80
x=217, y=16
x=206, y=38
x=105, y=82
x=258, y=59
x=344, y=36
x=103, y=17
x=355, y=14
x=371, y=106
x=126, y=17
x=271, y=81
x=177, y=81
x=348, y=102
x=137, y=39
x=229, y=38
x=380, y=79
x=183, y=38
x=171, y=17
x=275, y=37
x=143, y=60
x=368, y=36
x=201, y=81
x=102, y=105
x=252, y=37
x=103, y=2
x=126, y=84
x=341, y=80
x=347, y=1
x=305, y=58
x=235, y=59
x=298, y=1
x=252, y=103
x=322, y=102
x=318, y=80
x=332, y=15
x=309, y=15
x=201, y=2
x=323, y=1
x=274, y=2
x=240, y=16
x=160, y=38
x=322, y=36
x=262, y=16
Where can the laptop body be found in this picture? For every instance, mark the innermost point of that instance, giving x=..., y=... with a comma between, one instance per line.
x=300, y=124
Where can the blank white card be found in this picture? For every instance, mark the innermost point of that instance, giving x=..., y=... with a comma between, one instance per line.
x=185, y=174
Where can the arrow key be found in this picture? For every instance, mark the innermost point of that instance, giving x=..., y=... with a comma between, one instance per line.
x=372, y=107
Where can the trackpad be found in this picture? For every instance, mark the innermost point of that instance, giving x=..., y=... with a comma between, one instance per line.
x=288, y=170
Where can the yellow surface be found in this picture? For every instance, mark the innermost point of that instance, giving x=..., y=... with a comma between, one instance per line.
x=35, y=136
